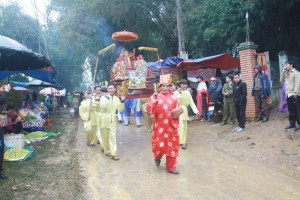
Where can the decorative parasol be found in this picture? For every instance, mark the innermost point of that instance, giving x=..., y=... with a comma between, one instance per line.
x=125, y=36
x=48, y=90
x=20, y=89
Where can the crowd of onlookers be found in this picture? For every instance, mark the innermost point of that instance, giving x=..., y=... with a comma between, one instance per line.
x=228, y=101
x=232, y=96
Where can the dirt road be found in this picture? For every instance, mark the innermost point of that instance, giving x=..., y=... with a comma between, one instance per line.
x=259, y=163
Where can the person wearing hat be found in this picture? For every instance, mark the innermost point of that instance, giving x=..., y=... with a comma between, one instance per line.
x=202, y=98
x=165, y=138
x=215, y=90
x=261, y=88
x=185, y=99
x=292, y=80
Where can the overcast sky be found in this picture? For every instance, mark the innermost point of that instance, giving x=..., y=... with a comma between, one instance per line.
x=28, y=7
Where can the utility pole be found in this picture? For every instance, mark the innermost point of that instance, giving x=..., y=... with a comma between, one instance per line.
x=180, y=30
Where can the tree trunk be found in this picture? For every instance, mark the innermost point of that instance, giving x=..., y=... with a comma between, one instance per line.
x=180, y=27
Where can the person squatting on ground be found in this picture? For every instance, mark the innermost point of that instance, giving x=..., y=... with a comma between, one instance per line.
x=260, y=90
x=202, y=98
x=5, y=93
x=84, y=112
x=165, y=138
x=107, y=106
x=229, y=111
x=147, y=116
x=292, y=80
x=185, y=99
x=240, y=101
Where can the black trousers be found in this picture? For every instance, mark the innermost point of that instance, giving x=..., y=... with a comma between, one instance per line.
x=1, y=149
x=293, y=107
x=240, y=110
x=259, y=102
x=204, y=107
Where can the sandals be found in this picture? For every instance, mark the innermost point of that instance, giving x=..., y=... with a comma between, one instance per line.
x=115, y=158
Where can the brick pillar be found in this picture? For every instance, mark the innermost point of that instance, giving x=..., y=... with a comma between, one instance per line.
x=247, y=52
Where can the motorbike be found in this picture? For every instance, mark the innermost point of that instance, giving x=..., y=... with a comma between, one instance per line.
x=215, y=111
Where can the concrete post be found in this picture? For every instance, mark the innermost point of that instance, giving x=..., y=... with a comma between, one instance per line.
x=282, y=58
x=247, y=52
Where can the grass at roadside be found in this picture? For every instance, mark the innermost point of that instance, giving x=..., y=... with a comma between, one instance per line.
x=53, y=173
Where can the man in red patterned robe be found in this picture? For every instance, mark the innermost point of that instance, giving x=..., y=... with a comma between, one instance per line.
x=165, y=138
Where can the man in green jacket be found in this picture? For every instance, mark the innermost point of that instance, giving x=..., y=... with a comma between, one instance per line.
x=228, y=112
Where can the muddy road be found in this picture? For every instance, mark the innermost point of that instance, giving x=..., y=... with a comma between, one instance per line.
x=261, y=162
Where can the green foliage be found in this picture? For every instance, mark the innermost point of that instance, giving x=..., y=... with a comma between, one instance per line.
x=19, y=77
x=18, y=26
x=219, y=26
x=15, y=98
x=210, y=27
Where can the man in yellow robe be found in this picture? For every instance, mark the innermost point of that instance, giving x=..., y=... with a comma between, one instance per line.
x=185, y=99
x=108, y=107
x=94, y=114
x=147, y=116
x=99, y=91
x=90, y=123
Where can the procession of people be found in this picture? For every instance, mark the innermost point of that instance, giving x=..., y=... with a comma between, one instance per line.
x=166, y=113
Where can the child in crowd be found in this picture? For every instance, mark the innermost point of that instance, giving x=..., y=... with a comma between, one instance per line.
x=72, y=112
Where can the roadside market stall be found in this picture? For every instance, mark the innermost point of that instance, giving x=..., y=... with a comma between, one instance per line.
x=207, y=67
x=16, y=58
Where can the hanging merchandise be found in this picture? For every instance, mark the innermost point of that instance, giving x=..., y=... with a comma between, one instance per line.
x=264, y=61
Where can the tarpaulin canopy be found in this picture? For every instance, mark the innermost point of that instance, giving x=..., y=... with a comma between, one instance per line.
x=16, y=57
x=205, y=73
x=39, y=83
x=48, y=90
x=18, y=83
x=167, y=63
x=222, y=61
x=46, y=74
x=18, y=88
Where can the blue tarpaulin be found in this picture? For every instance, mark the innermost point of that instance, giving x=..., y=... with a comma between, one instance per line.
x=167, y=63
x=18, y=83
x=41, y=74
